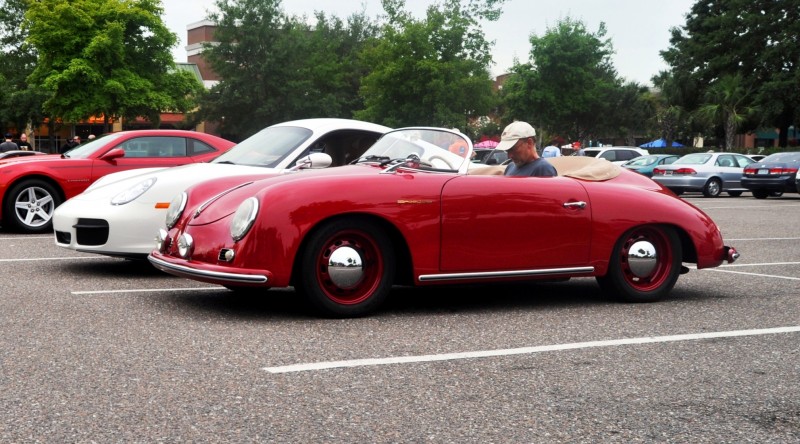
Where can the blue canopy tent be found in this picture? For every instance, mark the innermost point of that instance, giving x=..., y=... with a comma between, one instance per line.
x=659, y=143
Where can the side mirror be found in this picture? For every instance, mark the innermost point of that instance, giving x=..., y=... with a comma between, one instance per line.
x=313, y=161
x=115, y=153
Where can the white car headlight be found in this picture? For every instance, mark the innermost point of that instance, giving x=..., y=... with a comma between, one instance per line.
x=133, y=192
x=244, y=218
x=176, y=207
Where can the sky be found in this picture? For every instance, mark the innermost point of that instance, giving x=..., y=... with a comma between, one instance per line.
x=638, y=29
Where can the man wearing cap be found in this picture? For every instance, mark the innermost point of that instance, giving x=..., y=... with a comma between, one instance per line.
x=519, y=141
x=8, y=144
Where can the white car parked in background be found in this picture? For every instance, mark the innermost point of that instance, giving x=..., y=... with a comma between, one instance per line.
x=615, y=154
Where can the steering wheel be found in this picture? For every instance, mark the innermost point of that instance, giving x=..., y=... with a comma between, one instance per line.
x=438, y=157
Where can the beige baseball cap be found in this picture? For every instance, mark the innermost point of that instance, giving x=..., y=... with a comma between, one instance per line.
x=513, y=132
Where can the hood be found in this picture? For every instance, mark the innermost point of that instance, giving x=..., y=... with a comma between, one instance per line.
x=169, y=181
x=221, y=197
x=39, y=158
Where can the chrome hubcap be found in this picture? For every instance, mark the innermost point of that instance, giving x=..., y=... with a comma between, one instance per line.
x=642, y=258
x=345, y=267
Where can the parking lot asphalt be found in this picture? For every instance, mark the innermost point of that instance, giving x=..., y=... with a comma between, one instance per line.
x=97, y=349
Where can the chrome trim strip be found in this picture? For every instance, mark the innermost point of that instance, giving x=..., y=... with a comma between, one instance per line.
x=213, y=199
x=502, y=274
x=226, y=277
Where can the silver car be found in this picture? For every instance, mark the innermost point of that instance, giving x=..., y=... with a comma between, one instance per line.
x=709, y=173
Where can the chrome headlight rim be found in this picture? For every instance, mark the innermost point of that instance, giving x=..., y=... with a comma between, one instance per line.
x=133, y=192
x=175, y=209
x=244, y=218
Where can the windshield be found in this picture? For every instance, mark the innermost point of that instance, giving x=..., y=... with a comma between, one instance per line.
x=693, y=159
x=86, y=149
x=437, y=148
x=266, y=148
x=642, y=161
x=790, y=157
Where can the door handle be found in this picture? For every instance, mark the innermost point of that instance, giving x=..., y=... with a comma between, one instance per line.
x=579, y=204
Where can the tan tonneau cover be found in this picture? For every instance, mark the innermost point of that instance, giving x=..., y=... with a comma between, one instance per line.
x=579, y=167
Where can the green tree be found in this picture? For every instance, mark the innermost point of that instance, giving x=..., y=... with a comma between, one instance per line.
x=107, y=57
x=433, y=71
x=726, y=101
x=569, y=86
x=20, y=102
x=276, y=68
x=755, y=40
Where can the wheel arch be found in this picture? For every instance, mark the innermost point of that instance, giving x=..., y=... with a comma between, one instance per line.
x=43, y=177
x=402, y=252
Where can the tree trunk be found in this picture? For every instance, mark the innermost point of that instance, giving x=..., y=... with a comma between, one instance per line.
x=730, y=132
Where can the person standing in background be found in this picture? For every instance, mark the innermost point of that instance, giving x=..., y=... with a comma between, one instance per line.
x=72, y=143
x=551, y=150
x=23, y=143
x=8, y=144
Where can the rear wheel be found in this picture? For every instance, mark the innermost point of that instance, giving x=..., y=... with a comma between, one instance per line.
x=29, y=206
x=346, y=269
x=677, y=191
x=712, y=188
x=734, y=193
x=644, y=266
x=760, y=194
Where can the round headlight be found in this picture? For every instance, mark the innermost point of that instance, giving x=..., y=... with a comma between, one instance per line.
x=176, y=207
x=185, y=245
x=244, y=218
x=133, y=192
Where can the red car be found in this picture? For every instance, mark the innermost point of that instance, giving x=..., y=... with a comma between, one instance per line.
x=410, y=212
x=32, y=187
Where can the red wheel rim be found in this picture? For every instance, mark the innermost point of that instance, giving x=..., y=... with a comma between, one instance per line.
x=663, y=259
x=372, y=267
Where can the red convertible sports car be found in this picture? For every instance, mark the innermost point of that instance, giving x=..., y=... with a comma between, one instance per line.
x=32, y=187
x=410, y=212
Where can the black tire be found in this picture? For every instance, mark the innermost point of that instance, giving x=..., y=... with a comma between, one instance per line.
x=646, y=279
x=346, y=291
x=29, y=206
x=677, y=191
x=734, y=193
x=712, y=188
x=760, y=194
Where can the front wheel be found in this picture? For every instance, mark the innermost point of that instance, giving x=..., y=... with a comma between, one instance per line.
x=760, y=194
x=29, y=206
x=734, y=193
x=346, y=268
x=712, y=188
x=644, y=266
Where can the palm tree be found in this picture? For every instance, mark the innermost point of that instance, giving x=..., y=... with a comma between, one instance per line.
x=727, y=102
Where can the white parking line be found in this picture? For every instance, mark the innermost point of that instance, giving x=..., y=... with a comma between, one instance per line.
x=144, y=290
x=754, y=274
x=762, y=239
x=50, y=259
x=26, y=237
x=742, y=207
x=524, y=350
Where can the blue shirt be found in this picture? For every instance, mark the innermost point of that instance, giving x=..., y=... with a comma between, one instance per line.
x=537, y=167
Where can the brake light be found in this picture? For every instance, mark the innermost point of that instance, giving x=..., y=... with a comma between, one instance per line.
x=777, y=171
x=685, y=171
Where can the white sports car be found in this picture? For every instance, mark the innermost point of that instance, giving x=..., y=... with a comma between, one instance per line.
x=119, y=214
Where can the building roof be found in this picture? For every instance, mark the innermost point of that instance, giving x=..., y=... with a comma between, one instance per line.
x=191, y=68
